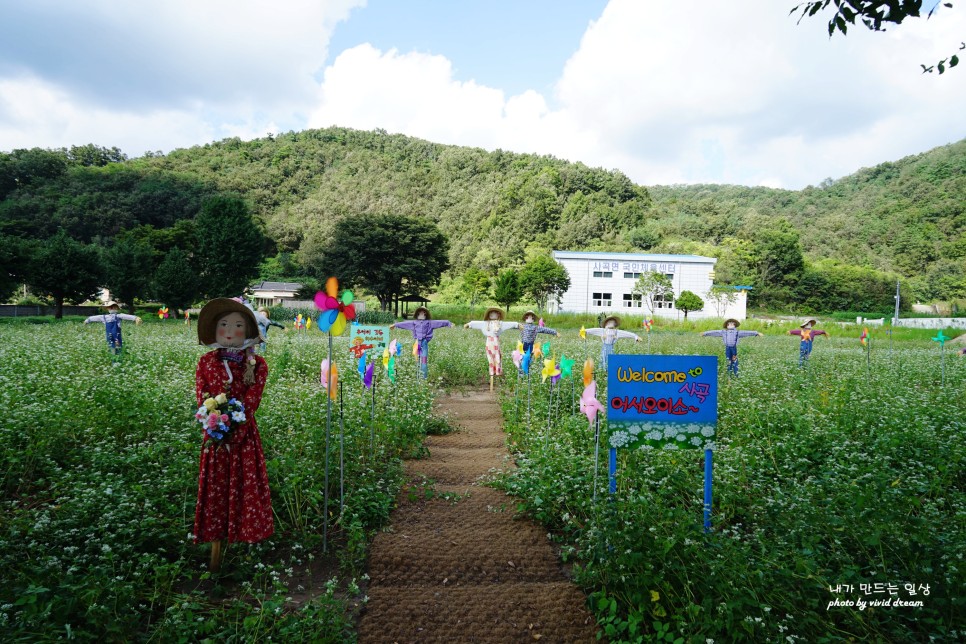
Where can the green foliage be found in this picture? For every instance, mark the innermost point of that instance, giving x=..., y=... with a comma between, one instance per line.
x=175, y=282
x=65, y=269
x=125, y=273
x=229, y=247
x=506, y=288
x=652, y=286
x=688, y=302
x=476, y=284
x=543, y=279
x=388, y=255
x=13, y=259
x=376, y=317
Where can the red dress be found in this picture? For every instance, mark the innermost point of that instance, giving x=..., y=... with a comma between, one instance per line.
x=234, y=501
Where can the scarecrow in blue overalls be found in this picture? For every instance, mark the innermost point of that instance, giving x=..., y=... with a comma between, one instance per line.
x=730, y=334
x=112, y=324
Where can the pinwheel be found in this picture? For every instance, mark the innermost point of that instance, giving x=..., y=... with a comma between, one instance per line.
x=566, y=366
x=588, y=371
x=865, y=334
x=416, y=349
x=540, y=323
x=335, y=312
x=550, y=370
x=537, y=353
x=367, y=378
x=329, y=373
x=163, y=313
x=583, y=333
x=546, y=348
x=589, y=404
x=525, y=362
x=646, y=323
x=940, y=338
x=517, y=357
x=362, y=365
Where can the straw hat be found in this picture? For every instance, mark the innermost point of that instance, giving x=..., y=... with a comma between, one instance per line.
x=109, y=304
x=429, y=316
x=737, y=323
x=215, y=309
x=806, y=323
x=617, y=321
x=493, y=309
x=529, y=314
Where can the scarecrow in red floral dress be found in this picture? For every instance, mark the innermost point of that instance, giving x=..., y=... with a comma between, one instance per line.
x=234, y=500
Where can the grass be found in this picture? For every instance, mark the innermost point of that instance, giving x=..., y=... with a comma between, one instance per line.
x=840, y=475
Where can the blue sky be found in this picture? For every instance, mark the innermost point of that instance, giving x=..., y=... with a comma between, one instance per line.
x=683, y=92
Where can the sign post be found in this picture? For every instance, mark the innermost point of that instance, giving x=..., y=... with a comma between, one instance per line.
x=663, y=402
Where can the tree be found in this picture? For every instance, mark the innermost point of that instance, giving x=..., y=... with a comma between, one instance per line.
x=476, y=284
x=543, y=278
x=688, y=302
x=652, y=287
x=389, y=255
x=506, y=288
x=13, y=259
x=175, y=282
x=229, y=247
x=65, y=269
x=128, y=266
x=721, y=297
x=873, y=13
x=91, y=155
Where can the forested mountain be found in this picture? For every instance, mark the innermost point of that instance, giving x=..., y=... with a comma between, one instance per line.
x=839, y=245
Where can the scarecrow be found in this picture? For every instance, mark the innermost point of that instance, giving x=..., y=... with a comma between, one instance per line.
x=492, y=326
x=264, y=323
x=730, y=334
x=112, y=324
x=529, y=331
x=808, y=333
x=609, y=334
x=422, y=328
x=234, y=500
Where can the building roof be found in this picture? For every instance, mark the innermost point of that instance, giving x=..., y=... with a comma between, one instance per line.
x=632, y=257
x=276, y=286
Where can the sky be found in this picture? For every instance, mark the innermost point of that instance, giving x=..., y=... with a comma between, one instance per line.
x=689, y=91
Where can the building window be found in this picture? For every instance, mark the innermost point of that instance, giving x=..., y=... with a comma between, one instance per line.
x=602, y=299
x=664, y=301
x=633, y=301
x=631, y=276
x=603, y=274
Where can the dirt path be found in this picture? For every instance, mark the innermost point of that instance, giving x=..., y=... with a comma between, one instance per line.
x=456, y=566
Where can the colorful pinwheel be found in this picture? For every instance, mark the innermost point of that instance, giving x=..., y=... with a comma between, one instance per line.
x=335, y=312
x=416, y=349
x=589, y=405
x=163, y=313
x=329, y=373
x=550, y=370
x=865, y=334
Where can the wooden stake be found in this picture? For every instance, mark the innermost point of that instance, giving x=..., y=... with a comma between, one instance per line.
x=491, y=383
x=215, y=556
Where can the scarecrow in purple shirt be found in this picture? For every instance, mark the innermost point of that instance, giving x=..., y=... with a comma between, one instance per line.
x=422, y=328
x=112, y=324
x=730, y=334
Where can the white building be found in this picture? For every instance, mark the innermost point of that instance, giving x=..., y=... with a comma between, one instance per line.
x=604, y=283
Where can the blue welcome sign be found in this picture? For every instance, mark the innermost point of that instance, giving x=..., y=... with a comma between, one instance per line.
x=662, y=402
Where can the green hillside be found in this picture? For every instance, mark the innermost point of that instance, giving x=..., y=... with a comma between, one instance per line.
x=839, y=245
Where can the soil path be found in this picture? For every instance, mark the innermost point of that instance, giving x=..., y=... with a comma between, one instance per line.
x=457, y=565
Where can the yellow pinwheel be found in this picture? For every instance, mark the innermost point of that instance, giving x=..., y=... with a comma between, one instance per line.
x=549, y=370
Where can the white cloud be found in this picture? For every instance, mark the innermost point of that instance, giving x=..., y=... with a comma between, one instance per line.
x=176, y=74
x=731, y=92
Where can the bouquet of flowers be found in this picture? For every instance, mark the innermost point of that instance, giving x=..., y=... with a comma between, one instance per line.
x=220, y=415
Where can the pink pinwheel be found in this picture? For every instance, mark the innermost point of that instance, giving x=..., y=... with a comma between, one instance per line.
x=334, y=312
x=589, y=404
x=517, y=357
x=329, y=372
